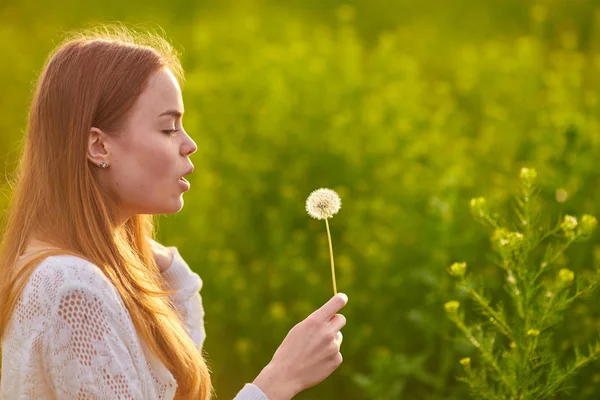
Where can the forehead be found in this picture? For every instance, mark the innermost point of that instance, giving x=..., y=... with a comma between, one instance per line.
x=161, y=93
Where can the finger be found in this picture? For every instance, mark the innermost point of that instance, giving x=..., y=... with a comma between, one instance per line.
x=329, y=309
x=338, y=359
x=338, y=338
x=337, y=322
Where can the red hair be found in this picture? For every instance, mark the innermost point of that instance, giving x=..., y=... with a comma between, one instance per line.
x=90, y=80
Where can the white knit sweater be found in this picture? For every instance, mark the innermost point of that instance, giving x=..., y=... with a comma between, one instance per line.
x=71, y=337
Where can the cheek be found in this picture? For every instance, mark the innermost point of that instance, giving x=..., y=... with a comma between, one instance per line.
x=158, y=161
x=146, y=169
x=157, y=164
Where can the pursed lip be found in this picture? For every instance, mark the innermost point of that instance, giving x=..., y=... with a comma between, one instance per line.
x=189, y=171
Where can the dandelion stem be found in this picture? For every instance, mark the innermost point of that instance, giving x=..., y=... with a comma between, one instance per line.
x=331, y=257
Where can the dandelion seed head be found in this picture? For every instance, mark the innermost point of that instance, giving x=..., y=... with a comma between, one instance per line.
x=323, y=203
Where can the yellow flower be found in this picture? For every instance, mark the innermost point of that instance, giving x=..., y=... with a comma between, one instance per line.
x=500, y=237
x=533, y=332
x=478, y=206
x=503, y=239
x=528, y=176
x=465, y=362
x=565, y=276
x=569, y=224
x=452, y=306
x=458, y=269
x=515, y=239
x=588, y=224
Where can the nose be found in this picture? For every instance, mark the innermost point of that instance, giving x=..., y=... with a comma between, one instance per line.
x=188, y=146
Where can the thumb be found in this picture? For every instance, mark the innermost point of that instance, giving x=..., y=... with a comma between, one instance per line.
x=330, y=308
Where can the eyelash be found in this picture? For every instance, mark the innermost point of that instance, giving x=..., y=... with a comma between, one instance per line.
x=170, y=132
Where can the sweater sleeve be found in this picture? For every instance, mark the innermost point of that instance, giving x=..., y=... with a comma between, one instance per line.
x=85, y=351
x=187, y=299
x=251, y=392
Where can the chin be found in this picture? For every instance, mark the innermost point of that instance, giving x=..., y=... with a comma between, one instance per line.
x=177, y=207
x=166, y=208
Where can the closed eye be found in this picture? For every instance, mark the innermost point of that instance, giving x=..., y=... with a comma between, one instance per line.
x=170, y=131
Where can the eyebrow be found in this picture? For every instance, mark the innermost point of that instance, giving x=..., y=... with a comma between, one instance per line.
x=173, y=113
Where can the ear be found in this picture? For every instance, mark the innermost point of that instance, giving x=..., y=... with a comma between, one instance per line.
x=97, y=146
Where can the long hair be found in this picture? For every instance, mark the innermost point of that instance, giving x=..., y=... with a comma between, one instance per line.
x=92, y=79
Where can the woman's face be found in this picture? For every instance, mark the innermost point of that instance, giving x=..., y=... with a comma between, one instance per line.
x=147, y=159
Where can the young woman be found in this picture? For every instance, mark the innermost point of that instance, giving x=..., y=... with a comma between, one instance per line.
x=91, y=306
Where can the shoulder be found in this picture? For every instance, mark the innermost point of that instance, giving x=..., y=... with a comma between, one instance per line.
x=59, y=275
x=67, y=286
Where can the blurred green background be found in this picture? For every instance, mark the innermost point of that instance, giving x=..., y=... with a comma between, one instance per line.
x=407, y=109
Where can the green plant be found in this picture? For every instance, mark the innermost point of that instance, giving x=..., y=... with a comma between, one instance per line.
x=518, y=358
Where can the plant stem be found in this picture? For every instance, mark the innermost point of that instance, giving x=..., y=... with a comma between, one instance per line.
x=551, y=389
x=331, y=257
x=487, y=356
x=496, y=317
